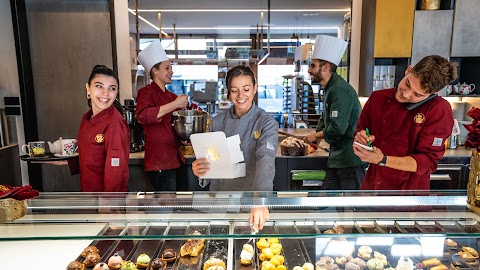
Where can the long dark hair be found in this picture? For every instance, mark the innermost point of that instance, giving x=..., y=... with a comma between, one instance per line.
x=104, y=70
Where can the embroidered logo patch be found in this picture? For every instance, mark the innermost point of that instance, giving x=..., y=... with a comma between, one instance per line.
x=99, y=138
x=437, y=141
x=419, y=118
x=334, y=114
x=270, y=146
x=115, y=162
x=256, y=134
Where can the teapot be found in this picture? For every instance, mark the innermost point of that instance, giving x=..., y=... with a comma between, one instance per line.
x=56, y=146
x=464, y=89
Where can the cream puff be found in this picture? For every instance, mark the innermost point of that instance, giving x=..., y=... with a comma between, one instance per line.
x=169, y=255
x=75, y=266
x=88, y=250
x=157, y=263
x=213, y=262
x=246, y=256
x=143, y=260
x=115, y=262
x=91, y=259
x=101, y=266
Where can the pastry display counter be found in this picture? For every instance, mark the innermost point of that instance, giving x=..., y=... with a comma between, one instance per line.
x=395, y=224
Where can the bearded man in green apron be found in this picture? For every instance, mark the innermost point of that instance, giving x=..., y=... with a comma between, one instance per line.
x=339, y=118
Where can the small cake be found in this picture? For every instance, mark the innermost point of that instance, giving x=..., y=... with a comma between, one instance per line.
x=451, y=244
x=157, y=263
x=375, y=264
x=405, y=263
x=101, y=266
x=246, y=256
x=213, y=262
x=91, y=259
x=115, y=262
x=262, y=243
x=293, y=147
x=89, y=249
x=277, y=260
x=128, y=265
x=169, y=255
x=365, y=252
x=143, y=260
x=308, y=266
x=75, y=266
x=192, y=247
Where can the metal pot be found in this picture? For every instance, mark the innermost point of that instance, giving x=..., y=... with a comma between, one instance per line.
x=187, y=122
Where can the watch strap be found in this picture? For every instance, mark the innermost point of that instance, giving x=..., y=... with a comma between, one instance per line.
x=383, y=162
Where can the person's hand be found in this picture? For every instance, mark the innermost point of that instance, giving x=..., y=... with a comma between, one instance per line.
x=200, y=167
x=365, y=155
x=363, y=138
x=258, y=217
x=312, y=138
x=181, y=101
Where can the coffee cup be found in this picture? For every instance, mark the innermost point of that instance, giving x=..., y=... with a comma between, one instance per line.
x=69, y=147
x=34, y=149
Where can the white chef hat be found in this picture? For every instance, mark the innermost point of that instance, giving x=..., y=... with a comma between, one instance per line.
x=329, y=48
x=152, y=55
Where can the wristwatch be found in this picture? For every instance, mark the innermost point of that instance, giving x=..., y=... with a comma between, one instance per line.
x=383, y=162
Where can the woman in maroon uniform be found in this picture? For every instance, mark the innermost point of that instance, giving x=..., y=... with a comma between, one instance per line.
x=103, y=138
x=155, y=105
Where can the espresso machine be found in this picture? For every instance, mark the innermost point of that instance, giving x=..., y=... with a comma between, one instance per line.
x=137, y=137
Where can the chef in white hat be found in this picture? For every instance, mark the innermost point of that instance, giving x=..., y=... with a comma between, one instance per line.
x=339, y=118
x=155, y=105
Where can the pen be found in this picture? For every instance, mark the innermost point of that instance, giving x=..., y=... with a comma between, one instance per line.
x=368, y=134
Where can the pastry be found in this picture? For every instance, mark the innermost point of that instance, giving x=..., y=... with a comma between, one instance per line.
x=277, y=260
x=440, y=267
x=352, y=266
x=431, y=262
x=216, y=267
x=451, y=244
x=365, y=252
x=267, y=265
x=115, y=262
x=405, y=263
x=293, y=147
x=91, y=259
x=267, y=254
x=308, y=266
x=75, y=266
x=262, y=243
x=342, y=260
x=101, y=266
x=192, y=247
x=375, y=264
x=89, y=249
x=169, y=255
x=326, y=263
x=359, y=262
x=381, y=257
x=281, y=267
x=246, y=256
x=297, y=268
x=157, y=263
x=470, y=250
x=128, y=265
x=276, y=248
x=337, y=229
x=273, y=241
x=143, y=260
x=213, y=262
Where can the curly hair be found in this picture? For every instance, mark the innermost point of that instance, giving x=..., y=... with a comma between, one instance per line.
x=435, y=72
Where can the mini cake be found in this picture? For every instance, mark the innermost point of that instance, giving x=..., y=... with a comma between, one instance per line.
x=75, y=266
x=192, y=247
x=213, y=262
x=405, y=263
x=89, y=249
x=293, y=147
x=157, y=263
x=308, y=266
x=246, y=256
x=91, y=259
x=365, y=252
x=143, y=260
x=101, y=266
x=169, y=255
x=115, y=262
x=375, y=264
x=128, y=265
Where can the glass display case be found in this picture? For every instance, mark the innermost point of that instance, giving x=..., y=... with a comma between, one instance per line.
x=327, y=229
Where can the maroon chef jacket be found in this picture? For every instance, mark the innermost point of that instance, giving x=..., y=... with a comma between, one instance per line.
x=419, y=133
x=162, y=147
x=104, y=149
